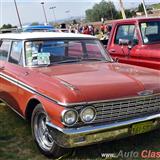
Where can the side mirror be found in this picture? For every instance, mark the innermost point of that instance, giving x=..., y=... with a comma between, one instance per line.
x=124, y=42
x=135, y=42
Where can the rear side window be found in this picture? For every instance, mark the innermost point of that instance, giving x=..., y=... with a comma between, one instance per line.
x=125, y=32
x=16, y=53
x=150, y=32
x=4, y=49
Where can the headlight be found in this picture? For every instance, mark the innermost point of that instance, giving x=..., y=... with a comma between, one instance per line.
x=88, y=114
x=69, y=117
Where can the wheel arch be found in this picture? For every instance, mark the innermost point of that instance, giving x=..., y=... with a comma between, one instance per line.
x=32, y=103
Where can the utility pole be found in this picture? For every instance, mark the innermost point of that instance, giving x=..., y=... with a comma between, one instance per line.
x=144, y=6
x=110, y=5
x=19, y=19
x=45, y=16
x=52, y=8
x=122, y=9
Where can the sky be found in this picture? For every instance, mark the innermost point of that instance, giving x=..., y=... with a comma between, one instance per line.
x=31, y=11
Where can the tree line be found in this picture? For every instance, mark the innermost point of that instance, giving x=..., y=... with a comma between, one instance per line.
x=108, y=11
x=8, y=26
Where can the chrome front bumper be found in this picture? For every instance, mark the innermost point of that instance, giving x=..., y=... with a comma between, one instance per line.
x=75, y=137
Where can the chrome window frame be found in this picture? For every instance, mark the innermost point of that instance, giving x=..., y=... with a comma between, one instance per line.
x=106, y=54
x=22, y=54
x=9, y=50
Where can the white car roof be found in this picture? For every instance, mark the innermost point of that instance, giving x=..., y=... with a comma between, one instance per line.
x=43, y=35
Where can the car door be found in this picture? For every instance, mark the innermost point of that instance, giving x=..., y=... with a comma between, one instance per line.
x=4, y=52
x=125, y=32
x=10, y=74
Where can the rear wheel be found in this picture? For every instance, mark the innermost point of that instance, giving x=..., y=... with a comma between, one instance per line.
x=41, y=135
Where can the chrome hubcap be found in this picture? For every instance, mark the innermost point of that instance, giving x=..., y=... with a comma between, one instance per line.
x=42, y=134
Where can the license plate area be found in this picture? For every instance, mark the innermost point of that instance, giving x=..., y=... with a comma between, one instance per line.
x=142, y=127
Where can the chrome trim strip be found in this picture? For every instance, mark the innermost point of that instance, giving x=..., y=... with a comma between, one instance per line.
x=17, y=83
x=99, y=128
x=25, y=87
x=32, y=90
x=13, y=109
x=23, y=53
x=104, y=101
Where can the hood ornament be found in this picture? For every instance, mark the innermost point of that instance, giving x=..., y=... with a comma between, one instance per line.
x=68, y=85
x=145, y=93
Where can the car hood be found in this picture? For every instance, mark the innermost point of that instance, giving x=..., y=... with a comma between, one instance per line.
x=103, y=81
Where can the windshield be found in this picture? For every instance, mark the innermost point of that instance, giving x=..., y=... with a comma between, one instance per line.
x=47, y=52
x=150, y=32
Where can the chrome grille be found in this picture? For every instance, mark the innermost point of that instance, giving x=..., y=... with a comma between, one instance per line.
x=126, y=109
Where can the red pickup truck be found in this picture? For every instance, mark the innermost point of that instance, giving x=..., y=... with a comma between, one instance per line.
x=136, y=41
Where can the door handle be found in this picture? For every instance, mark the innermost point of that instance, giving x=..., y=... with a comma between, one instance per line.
x=112, y=50
x=26, y=73
x=2, y=68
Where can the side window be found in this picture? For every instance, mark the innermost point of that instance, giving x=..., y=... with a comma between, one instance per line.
x=4, y=49
x=125, y=32
x=150, y=31
x=16, y=53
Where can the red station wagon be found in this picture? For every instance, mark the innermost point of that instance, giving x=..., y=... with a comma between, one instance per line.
x=73, y=93
x=136, y=41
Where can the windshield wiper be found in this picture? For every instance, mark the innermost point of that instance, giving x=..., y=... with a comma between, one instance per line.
x=91, y=59
x=95, y=59
x=67, y=61
x=78, y=60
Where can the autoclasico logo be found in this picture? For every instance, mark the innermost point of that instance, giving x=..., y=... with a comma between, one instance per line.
x=150, y=154
x=146, y=154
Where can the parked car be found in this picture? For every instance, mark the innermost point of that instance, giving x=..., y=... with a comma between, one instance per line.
x=29, y=28
x=73, y=93
x=35, y=28
x=136, y=41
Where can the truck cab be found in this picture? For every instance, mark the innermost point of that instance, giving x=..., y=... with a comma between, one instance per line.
x=136, y=41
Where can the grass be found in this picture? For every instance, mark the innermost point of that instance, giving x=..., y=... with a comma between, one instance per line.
x=16, y=141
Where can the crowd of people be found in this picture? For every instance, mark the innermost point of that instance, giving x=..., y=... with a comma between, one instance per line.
x=101, y=32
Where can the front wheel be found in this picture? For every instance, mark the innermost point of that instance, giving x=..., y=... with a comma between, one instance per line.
x=41, y=135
